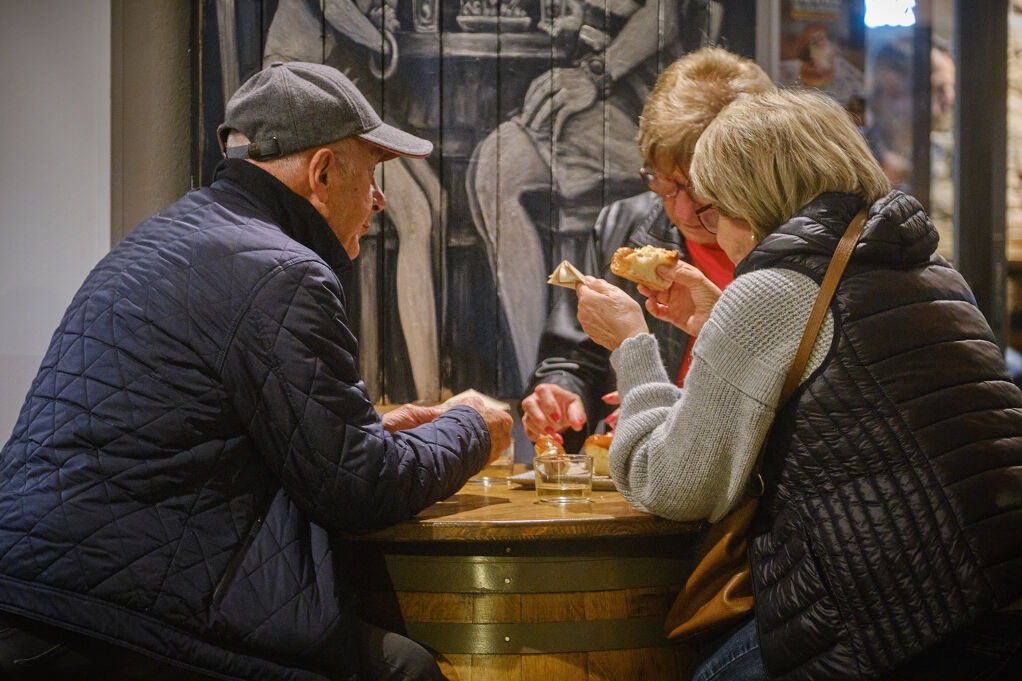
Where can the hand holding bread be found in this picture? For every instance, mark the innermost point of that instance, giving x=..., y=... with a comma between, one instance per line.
x=641, y=264
x=608, y=314
x=689, y=300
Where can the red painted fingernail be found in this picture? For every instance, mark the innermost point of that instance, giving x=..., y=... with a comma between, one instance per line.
x=555, y=416
x=550, y=431
x=607, y=396
x=579, y=423
x=559, y=438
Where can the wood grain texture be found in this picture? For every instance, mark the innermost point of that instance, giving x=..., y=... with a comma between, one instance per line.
x=651, y=601
x=497, y=608
x=497, y=668
x=606, y=605
x=553, y=607
x=563, y=667
x=650, y=663
x=478, y=513
x=432, y=607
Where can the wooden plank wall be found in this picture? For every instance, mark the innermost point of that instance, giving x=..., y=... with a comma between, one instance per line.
x=450, y=288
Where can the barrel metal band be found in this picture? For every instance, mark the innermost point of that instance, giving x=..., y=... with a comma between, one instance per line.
x=540, y=637
x=491, y=574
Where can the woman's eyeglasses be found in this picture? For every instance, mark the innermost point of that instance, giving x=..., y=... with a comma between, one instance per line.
x=708, y=217
x=668, y=188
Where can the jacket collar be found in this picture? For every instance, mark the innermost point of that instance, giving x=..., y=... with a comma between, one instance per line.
x=897, y=233
x=293, y=214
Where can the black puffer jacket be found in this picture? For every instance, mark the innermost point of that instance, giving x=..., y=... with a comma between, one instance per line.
x=894, y=475
x=197, y=427
x=568, y=357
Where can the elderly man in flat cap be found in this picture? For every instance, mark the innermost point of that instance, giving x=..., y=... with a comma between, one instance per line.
x=198, y=427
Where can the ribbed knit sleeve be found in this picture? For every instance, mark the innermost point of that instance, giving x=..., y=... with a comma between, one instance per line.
x=686, y=454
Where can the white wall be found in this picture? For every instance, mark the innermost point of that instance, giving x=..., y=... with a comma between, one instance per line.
x=54, y=174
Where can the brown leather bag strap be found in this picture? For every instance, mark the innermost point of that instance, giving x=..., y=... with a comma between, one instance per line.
x=842, y=254
x=834, y=271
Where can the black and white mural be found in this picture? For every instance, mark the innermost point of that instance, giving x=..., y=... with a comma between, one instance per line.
x=533, y=107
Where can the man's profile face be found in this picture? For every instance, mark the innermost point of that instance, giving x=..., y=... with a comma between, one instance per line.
x=353, y=193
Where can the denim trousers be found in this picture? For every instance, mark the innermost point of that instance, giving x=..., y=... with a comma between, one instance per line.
x=989, y=650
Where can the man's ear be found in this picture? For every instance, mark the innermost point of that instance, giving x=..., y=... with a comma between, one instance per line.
x=318, y=177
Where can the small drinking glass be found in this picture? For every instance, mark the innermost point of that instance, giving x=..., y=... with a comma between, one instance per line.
x=499, y=470
x=563, y=478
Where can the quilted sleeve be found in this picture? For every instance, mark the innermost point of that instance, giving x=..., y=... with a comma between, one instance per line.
x=291, y=373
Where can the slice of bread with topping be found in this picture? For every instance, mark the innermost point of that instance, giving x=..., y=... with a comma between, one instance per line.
x=639, y=265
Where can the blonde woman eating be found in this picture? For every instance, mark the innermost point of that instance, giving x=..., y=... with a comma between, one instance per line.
x=888, y=541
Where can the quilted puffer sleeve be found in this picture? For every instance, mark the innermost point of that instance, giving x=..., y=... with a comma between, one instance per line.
x=291, y=373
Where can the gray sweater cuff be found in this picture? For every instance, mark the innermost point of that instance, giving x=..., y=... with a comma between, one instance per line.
x=637, y=362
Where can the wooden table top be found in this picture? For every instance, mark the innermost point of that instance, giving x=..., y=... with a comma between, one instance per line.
x=495, y=512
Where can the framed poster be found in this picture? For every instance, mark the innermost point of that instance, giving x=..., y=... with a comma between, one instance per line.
x=822, y=45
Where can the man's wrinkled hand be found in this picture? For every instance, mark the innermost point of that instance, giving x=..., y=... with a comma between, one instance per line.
x=688, y=302
x=607, y=314
x=498, y=422
x=550, y=410
x=409, y=416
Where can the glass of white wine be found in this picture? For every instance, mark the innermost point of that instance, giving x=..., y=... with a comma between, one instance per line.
x=563, y=478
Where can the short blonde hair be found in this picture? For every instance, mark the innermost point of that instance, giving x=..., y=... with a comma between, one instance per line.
x=768, y=155
x=686, y=98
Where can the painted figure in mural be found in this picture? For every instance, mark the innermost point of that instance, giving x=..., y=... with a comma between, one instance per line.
x=573, y=372
x=199, y=438
x=358, y=39
x=573, y=137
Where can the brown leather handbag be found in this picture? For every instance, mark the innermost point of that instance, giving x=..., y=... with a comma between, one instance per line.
x=718, y=592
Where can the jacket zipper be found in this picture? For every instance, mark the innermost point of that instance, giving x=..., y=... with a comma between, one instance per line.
x=232, y=567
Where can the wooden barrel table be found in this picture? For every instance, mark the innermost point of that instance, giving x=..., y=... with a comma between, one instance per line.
x=500, y=586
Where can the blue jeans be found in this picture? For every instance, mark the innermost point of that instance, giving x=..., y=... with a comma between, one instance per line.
x=989, y=650
x=737, y=660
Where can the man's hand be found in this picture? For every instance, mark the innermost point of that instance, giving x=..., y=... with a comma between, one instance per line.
x=688, y=302
x=409, y=416
x=608, y=314
x=551, y=409
x=498, y=422
x=556, y=96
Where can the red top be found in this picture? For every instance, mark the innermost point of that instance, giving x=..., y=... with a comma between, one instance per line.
x=711, y=260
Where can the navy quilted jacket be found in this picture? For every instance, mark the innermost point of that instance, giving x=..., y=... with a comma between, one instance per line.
x=196, y=429
x=893, y=512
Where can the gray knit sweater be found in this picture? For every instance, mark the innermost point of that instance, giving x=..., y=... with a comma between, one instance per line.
x=685, y=454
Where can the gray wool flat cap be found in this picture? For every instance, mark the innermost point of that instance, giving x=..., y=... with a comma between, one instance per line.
x=292, y=106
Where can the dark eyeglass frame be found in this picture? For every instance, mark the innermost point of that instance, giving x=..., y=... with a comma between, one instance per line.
x=658, y=184
x=708, y=217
